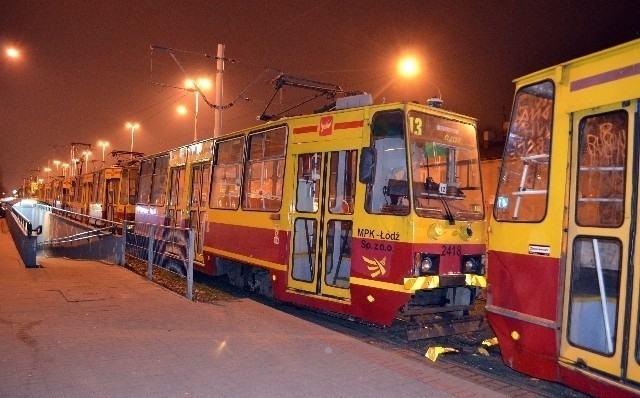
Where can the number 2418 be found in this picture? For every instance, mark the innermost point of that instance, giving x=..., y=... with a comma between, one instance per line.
x=451, y=250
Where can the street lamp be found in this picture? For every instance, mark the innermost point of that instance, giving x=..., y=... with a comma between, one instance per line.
x=74, y=170
x=103, y=144
x=48, y=171
x=408, y=66
x=196, y=86
x=65, y=166
x=86, y=154
x=133, y=127
x=57, y=163
x=12, y=52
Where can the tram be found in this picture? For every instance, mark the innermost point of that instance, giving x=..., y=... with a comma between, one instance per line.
x=564, y=283
x=109, y=193
x=365, y=210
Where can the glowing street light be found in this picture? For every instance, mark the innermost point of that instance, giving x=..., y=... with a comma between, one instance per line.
x=133, y=126
x=181, y=109
x=12, y=52
x=65, y=166
x=197, y=86
x=103, y=144
x=57, y=164
x=408, y=66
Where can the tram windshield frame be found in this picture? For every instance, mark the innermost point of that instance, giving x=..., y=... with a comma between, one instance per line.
x=445, y=168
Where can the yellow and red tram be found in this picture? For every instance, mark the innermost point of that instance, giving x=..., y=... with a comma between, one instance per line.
x=109, y=193
x=564, y=277
x=365, y=210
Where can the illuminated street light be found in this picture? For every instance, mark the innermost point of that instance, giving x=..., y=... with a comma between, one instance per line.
x=65, y=166
x=133, y=127
x=181, y=109
x=103, y=144
x=12, y=52
x=57, y=164
x=408, y=66
x=197, y=86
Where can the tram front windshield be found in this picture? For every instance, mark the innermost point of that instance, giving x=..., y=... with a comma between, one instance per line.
x=444, y=168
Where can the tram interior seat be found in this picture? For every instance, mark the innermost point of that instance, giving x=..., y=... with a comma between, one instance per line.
x=396, y=190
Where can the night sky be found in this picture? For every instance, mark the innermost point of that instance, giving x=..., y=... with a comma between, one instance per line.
x=87, y=68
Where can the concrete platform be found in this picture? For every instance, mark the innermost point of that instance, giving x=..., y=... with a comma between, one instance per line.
x=90, y=329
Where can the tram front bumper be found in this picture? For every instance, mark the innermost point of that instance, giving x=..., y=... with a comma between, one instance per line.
x=451, y=280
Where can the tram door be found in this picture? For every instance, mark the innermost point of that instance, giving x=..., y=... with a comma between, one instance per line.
x=176, y=187
x=113, y=193
x=198, y=202
x=323, y=222
x=600, y=322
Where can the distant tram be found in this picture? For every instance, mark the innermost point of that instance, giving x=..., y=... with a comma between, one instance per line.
x=366, y=210
x=109, y=193
x=564, y=272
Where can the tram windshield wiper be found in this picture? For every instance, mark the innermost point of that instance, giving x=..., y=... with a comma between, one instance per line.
x=432, y=186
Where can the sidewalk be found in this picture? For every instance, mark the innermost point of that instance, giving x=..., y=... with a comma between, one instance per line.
x=83, y=329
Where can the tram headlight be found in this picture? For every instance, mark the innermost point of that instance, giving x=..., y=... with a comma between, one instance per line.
x=425, y=264
x=472, y=265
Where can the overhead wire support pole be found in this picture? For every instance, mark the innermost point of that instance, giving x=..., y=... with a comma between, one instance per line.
x=217, y=127
x=217, y=106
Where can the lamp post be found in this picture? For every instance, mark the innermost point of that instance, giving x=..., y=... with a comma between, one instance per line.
x=103, y=144
x=74, y=170
x=196, y=86
x=86, y=159
x=57, y=164
x=65, y=166
x=48, y=171
x=133, y=126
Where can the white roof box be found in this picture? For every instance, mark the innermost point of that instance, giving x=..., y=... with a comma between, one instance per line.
x=354, y=101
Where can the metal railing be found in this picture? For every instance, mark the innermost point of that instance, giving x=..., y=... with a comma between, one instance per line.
x=91, y=221
x=26, y=223
x=170, y=248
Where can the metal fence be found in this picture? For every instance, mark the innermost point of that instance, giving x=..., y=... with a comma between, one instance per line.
x=171, y=248
x=69, y=234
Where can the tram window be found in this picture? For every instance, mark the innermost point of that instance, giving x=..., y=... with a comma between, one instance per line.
x=144, y=186
x=200, y=184
x=524, y=179
x=196, y=185
x=124, y=186
x=595, y=290
x=601, y=170
x=264, y=171
x=338, y=256
x=177, y=183
x=95, y=191
x=99, y=198
x=445, y=168
x=227, y=172
x=342, y=181
x=304, y=249
x=308, y=182
x=388, y=141
x=159, y=181
x=133, y=183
